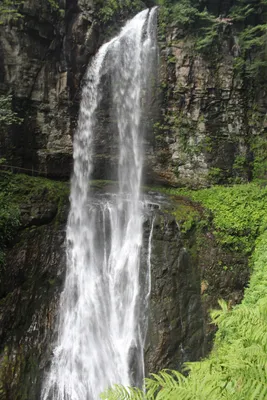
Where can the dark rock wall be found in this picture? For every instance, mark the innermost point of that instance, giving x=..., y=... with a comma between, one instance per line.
x=43, y=58
x=31, y=279
x=176, y=331
x=44, y=55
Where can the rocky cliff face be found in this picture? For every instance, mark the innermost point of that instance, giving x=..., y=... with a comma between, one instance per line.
x=212, y=120
x=43, y=58
x=207, y=128
x=186, y=273
x=209, y=120
x=31, y=277
x=176, y=331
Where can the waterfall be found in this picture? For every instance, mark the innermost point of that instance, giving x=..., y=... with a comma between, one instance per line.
x=101, y=329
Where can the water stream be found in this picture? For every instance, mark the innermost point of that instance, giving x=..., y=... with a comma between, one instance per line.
x=102, y=315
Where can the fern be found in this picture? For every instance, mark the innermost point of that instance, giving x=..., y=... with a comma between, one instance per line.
x=123, y=393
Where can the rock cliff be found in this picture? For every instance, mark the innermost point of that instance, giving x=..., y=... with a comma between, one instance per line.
x=187, y=279
x=43, y=58
x=208, y=115
x=209, y=127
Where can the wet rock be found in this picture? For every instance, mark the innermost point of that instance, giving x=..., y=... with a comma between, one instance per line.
x=176, y=330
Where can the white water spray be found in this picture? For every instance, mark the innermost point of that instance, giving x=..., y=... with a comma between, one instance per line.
x=101, y=332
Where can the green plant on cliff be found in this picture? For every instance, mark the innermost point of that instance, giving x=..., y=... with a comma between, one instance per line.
x=239, y=212
x=7, y=115
x=193, y=19
x=9, y=9
x=249, y=11
x=252, y=59
x=245, y=22
x=250, y=20
x=110, y=9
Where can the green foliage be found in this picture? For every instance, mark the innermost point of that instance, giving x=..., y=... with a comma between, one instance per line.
x=247, y=11
x=7, y=115
x=250, y=18
x=108, y=10
x=215, y=175
x=240, y=164
x=239, y=212
x=259, y=148
x=54, y=5
x=186, y=215
x=252, y=44
x=249, y=21
x=122, y=393
x=9, y=10
x=193, y=19
x=184, y=13
x=9, y=218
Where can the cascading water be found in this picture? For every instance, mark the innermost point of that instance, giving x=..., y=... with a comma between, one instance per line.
x=101, y=328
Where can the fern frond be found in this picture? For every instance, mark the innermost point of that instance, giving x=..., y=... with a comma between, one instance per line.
x=119, y=392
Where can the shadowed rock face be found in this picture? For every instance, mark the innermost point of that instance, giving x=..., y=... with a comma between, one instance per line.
x=43, y=58
x=176, y=327
x=31, y=281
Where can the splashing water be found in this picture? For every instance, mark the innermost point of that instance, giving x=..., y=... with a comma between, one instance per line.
x=101, y=328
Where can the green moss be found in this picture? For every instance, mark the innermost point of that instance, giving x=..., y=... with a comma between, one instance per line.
x=239, y=212
x=186, y=215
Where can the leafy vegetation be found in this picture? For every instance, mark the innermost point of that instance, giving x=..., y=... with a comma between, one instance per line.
x=239, y=212
x=186, y=215
x=9, y=9
x=193, y=19
x=110, y=9
x=207, y=24
x=7, y=115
